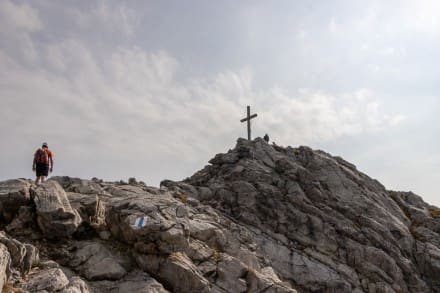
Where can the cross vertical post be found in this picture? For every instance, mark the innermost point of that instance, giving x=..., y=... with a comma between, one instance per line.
x=248, y=120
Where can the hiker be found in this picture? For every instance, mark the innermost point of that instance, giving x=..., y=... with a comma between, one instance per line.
x=266, y=138
x=43, y=163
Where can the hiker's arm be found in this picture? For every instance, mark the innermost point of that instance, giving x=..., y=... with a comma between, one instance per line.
x=51, y=162
x=34, y=163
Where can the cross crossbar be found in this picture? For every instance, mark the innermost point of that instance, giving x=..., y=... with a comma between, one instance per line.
x=246, y=119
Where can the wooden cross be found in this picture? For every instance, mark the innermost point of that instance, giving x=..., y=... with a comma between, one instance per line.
x=248, y=119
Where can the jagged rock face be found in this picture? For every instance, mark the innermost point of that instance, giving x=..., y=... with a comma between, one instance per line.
x=95, y=262
x=5, y=259
x=13, y=194
x=51, y=280
x=182, y=245
x=322, y=224
x=260, y=218
x=55, y=216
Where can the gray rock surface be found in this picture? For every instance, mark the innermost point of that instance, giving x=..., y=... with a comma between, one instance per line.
x=76, y=285
x=50, y=280
x=177, y=271
x=322, y=224
x=260, y=218
x=95, y=262
x=136, y=281
x=5, y=260
x=24, y=223
x=13, y=194
x=23, y=256
x=77, y=185
x=56, y=218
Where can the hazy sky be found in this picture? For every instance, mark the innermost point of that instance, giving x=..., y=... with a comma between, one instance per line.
x=154, y=89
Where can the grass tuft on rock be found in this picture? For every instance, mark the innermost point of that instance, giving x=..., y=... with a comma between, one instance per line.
x=183, y=197
x=435, y=212
x=9, y=288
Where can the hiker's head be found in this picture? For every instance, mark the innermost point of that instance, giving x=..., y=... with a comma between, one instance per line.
x=44, y=146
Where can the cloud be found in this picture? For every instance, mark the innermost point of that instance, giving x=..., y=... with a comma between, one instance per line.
x=332, y=26
x=134, y=93
x=312, y=116
x=422, y=16
x=111, y=19
x=17, y=18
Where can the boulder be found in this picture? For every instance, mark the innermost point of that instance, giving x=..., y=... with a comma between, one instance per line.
x=16, y=249
x=90, y=207
x=266, y=281
x=136, y=281
x=176, y=270
x=95, y=262
x=55, y=216
x=428, y=260
x=5, y=261
x=231, y=274
x=24, y=223
x=13, y=194
x=23, y=255
x=76, y=285
x=50, y=280
x=78, y=185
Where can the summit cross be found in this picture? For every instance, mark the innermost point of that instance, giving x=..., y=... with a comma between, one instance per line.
x=248, y=120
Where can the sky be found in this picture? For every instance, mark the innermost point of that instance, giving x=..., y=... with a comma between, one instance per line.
x=154, y=89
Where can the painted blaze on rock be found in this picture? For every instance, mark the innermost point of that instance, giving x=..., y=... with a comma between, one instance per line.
x=138, y=221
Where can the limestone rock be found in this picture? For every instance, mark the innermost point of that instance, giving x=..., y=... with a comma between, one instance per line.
x=24, y=222
x=231, y=274
x=5, y=260
x=50, y=280
x=177, y=270
x=16, y=249
x=321, y=223
x=13, y=194
x=428, y=257
x=266, y=281
x=260, y=218
x=22, y=255
x=76, y=285
x=78, y=185
x=56, y=218
x=95, y=262
x=135, y=281
x=90, y=207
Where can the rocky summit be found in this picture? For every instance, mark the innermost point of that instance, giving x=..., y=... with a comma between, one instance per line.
x=259, y=218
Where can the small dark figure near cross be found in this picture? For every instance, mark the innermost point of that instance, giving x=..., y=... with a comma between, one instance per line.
x=266, y=138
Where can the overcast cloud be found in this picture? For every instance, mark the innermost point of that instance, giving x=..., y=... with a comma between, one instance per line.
x=154, y=89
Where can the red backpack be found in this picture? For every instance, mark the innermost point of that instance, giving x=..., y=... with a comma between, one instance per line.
x=42, y=157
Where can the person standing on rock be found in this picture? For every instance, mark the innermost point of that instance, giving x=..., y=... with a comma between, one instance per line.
x=43, y=163
x=266, y=138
